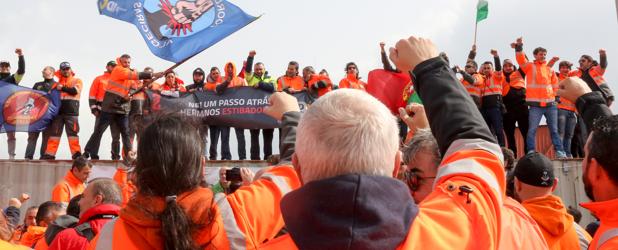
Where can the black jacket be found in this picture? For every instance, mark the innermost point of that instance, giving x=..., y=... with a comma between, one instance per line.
x=21, y=70
x=44, y=86
x=592, y=107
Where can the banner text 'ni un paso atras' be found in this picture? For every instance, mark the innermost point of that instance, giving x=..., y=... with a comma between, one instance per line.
x=241, y=107
x=178, y=29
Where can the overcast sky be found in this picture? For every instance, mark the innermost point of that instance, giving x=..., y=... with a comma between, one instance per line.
x=320, y=33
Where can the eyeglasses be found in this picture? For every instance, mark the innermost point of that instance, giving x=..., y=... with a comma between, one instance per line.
x=414, y=180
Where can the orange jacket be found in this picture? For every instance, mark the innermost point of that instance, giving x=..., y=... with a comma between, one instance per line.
x=596, y=72
x=97, y=90
x=33, y=235
x=474, y=89
x=296, y=83
x=351, y=82
x=555, y=222
x=41, y=244
x=541, y=81
x=606, y=236
x=315, y=78
x=519, y=230
x=236, y=223
x=68, y=188
x=68, y=82
x=516, y=81
x=121, y=177
x=445, y=219
x=236, y=80
x=121, y=79
x=492, y=85
x=564, y=103
x=211, y=83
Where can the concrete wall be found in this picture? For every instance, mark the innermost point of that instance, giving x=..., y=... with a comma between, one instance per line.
x=38, y=177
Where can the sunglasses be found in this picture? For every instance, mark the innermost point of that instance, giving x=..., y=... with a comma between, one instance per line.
x=414, y=180
x=66, y=69
x=350, y=68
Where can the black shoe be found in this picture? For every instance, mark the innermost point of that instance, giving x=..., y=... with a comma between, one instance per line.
x=48, y=157
x=78, y=154
x=86, y=155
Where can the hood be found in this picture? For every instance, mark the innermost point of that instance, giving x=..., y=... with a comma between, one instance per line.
x=142, y=213
x=349, y=212
x=34, y=234
x=61, y=223
x=103, y=209
x=71, y=179
x=551, y=215
x=234, y=70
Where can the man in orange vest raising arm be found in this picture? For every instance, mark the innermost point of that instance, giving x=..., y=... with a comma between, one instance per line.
x=352, y=168
x=116, y=104
x=491, y=97
x=600, y=164
x=541, y=86
x=592, y=74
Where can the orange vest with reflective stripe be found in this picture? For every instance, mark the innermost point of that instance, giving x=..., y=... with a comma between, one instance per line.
x=606, y=237
x=564, y=103
x=69, y=82
x=296, y=83
x=516, y=81
x=541, y=81
x=492, y=85
x=236, y=221
x=596, y=72
x=121, y=80
x=473, y=89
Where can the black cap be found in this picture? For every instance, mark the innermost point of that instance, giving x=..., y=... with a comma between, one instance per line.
x=199, y=71
x=5, y=63
x=65, y=65
x=535, y=169
x=111, y=63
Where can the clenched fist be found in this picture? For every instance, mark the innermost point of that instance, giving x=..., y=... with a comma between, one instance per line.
x=412, y=51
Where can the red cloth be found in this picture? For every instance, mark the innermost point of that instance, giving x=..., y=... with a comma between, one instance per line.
x=69, y=239
x=388, y=87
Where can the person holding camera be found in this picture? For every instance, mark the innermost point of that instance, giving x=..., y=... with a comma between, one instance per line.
x=232, y=179
x=116, y=105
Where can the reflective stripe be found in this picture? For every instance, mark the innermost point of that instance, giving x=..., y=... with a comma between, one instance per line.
x=106, y=236
x=118, y=85
x=545, y=100
x=280, y=182
x=234, y=235
x=472, y=144
x=469, y=166
x=606, y=236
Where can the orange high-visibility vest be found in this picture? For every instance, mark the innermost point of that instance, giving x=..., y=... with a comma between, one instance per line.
x=564, y=103
x=492, y=85
x=474, y=89
x=65, y=190
x=295, y=83
x=541, y=81
x=121, y=79
x=516, y=81
x=315, y=78
x=351, y=82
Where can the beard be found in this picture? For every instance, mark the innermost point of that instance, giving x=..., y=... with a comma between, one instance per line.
x=588, y=188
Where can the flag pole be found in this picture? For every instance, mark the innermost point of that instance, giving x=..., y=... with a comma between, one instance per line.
x=476, y=25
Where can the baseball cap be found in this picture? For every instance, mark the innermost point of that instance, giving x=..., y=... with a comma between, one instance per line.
x=65, y=65
x=535, y=169
x=198, y=71
x=5, y=63
x=111, y=63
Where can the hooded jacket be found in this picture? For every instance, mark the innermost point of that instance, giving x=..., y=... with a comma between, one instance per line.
x=231, y=80
x=34, y=234
x=96, y=217
x=555, y=222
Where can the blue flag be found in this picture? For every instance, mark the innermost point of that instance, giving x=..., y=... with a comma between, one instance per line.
x=178, y=29
x=25, y=109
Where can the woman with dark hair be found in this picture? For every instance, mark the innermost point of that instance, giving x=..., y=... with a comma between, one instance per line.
x=352, y=80
x=172, y=211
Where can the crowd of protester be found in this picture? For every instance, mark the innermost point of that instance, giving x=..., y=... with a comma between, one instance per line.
x=451, y=185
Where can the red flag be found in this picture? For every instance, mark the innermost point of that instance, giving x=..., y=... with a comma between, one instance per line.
x=388, y=87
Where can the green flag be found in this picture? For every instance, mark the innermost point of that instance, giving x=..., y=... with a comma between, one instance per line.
x=482, y=10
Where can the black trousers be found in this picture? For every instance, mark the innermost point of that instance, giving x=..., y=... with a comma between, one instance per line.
x=255, y=143
x=515, y=114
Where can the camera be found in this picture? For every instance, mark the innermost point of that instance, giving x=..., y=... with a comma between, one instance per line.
x=233, y=175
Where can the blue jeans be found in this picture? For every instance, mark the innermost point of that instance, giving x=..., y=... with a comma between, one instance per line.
x=566, y=127
x=493, y=118
x=551, y=116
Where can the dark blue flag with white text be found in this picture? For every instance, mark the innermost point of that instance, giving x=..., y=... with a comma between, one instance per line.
x=25, y=109
x=178, y=29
